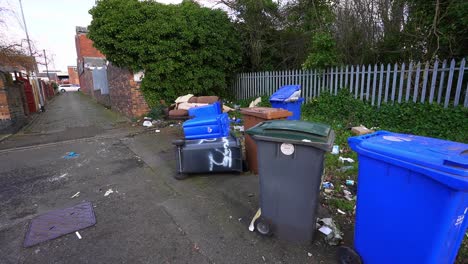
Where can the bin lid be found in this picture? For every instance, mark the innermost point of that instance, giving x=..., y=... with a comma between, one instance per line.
x=284, y=92
x=436, y=154
x=296, y=132
x=266, y=113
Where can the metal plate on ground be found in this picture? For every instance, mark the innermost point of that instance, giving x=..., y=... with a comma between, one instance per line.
x=59, y=222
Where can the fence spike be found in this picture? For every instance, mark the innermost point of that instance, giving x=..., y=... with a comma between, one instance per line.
x=449, y=83
x=461, y=71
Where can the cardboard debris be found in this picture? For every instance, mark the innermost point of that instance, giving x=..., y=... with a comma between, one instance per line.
x=361, y=130
x=227, y=109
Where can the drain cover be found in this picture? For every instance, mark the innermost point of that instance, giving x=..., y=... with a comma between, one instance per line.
x=59, y=222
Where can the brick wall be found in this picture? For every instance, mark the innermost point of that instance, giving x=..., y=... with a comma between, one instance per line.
x=73, y=75
x=85, y=48
x=86, y=82
x=103, y=99
x=13, y=109
x=125, y=93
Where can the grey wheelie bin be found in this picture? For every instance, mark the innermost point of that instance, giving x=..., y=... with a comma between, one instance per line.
x=290, y=166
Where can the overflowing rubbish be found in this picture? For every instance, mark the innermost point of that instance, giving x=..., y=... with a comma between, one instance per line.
x=288, y=97
x=335, y=150
x=345, y=168
x=350, y=160
x=329, y=229
x=75, y=195
x=328, y=185
x=78, y=234
x=71, y=155
x=349, y=182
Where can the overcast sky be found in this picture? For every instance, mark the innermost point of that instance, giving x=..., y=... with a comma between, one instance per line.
x=51, y=25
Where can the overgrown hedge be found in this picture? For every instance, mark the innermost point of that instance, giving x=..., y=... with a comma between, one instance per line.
x=430, y=120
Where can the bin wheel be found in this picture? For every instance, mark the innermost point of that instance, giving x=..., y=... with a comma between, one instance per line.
x=180, y=176
x=263, y=227
x=347, y=255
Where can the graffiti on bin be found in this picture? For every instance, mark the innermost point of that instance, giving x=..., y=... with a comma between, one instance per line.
x=227, y=156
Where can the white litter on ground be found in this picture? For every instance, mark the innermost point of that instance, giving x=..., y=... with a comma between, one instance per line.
x=75, y=195
x=341, y=212
x=108, y=192
x=78, y=235
x=350, y=160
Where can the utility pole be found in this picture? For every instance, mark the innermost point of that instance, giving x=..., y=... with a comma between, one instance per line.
x=46, y=67
x=26, y=30
x=41, y=96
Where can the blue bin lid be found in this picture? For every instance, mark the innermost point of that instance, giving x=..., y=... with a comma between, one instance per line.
x=445, y=161
x=284, y=92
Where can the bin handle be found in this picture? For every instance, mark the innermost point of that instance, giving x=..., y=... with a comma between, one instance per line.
x=458, y=162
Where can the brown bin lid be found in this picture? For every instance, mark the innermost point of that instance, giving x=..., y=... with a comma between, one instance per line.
x=266, y=112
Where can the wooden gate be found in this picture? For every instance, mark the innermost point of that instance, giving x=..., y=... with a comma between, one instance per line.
x=28, y=91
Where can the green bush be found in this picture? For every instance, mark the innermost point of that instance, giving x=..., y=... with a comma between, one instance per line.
x=430, y=120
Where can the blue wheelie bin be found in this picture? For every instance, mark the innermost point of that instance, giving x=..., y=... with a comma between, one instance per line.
x=412, y=200
x=281, y=99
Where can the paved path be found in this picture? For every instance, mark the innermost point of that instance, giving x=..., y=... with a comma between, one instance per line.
x=149, y=218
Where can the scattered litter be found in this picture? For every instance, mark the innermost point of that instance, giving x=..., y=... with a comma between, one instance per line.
x=75, y=195
x=307, y=140
x=196, y=247
x=250, y=195
x=37, y=251
x=325, y=230
x=341, y=212
x=348, y=195
x=171, y=125
x=345, y=168
x=349, y=182
x=263, y=258
x=255, y=102
x=239, y=128
x=71, y=155
x=227, y=109
x=335, y=236
x=361, y=130
x=147, y=118
x=147, y=123
x=240, y=219
x=59, y=177
x=309, y=254
x=256, y=216
x=328, y=185
x=350, y=160
x=108, y=192
x=230, y=217
x=335, y=150
x=157, y=131
x=328, y=191
x=78, y=235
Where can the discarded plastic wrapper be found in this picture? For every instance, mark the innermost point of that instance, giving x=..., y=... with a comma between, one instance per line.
x=328, y=185
x=239, y=128
x=350, y=160
x=335, y=150
x=334, y=237
x=350, y=182
x=255, y=102
x=341, y=212
x=345, y=168
x=147, y=123
x=256, y=216
x=71, y=155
